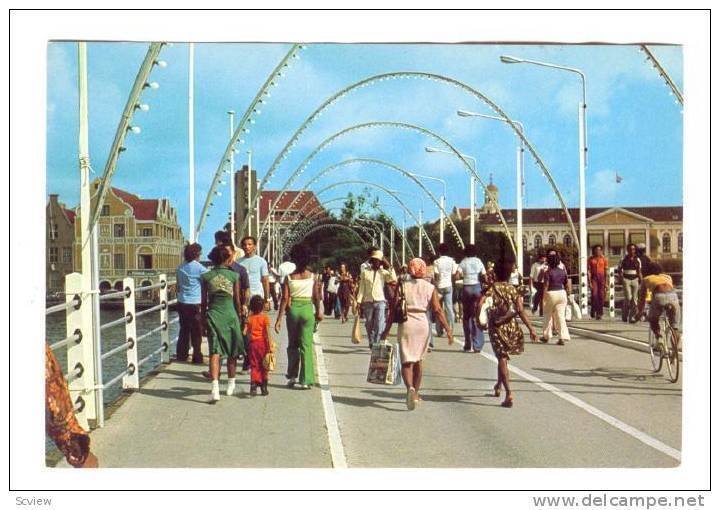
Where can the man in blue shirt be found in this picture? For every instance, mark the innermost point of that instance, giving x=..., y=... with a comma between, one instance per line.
x=188, y=307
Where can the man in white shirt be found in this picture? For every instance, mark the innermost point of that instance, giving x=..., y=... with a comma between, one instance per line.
x=472, y=271
x=444, y=268
x=536, y=282
x=371, y=294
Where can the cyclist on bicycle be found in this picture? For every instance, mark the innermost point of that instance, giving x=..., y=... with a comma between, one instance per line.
x=660, y=285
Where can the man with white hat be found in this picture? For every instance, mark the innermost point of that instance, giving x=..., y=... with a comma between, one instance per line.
x=371, y=294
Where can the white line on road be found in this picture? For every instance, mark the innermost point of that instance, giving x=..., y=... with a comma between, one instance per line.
x=611, y=420
x=337, y=452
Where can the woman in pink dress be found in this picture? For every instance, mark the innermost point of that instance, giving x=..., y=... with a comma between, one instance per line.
x=413, y=335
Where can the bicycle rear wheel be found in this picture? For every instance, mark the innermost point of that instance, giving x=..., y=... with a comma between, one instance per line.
x=673, y=355
x=656, y=351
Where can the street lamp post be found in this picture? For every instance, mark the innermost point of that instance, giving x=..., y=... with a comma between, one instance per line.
x=249, y=194
x=472, y=187
x=442, y=201
x=231, y=113
x=582, y=135
x=519, y=181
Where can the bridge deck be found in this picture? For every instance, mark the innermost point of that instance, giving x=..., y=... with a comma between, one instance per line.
x=169, y=422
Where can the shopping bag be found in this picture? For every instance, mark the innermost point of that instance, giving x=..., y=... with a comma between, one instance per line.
x=384, y=364
x=568, y=312
x=576, y=312
x=484, y=309
x=356, y=335
x=269, y=361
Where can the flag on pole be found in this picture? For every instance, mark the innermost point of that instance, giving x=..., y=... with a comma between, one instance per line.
x=618, y=179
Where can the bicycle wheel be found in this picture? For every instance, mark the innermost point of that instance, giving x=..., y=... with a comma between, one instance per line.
x=673, y=355
x=656, y=352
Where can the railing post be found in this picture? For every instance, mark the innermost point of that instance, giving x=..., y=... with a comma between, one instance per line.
x=80, y=353
x=131, y=380
x=611, y=297
x=164, y=321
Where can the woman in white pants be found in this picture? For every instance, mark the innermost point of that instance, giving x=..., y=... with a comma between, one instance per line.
x=556, y=290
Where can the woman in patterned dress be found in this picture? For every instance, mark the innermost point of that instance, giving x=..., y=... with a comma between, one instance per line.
x=506, y=337
x=345, y=291
x=221, y=308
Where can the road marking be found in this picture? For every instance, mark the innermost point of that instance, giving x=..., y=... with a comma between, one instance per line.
x=611, y=420
x=337, y=452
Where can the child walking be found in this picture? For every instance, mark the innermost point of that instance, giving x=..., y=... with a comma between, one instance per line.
x=260, y=344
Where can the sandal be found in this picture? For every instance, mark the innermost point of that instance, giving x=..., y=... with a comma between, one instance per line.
x=561, y=342
x=508, y=402
x=543, y=339
x=496, y=390
x=410, y=399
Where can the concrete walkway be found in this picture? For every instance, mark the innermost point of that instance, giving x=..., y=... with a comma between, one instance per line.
x=169, y=422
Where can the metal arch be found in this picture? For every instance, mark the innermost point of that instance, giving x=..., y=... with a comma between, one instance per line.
x=401, y=125
x=320, y=207
x=117, y=146
x=375, y=162
x=442, y=79
x=322, y=226
x=391, y=194
x=309, y=222
x=302, y=234
x=241, y=128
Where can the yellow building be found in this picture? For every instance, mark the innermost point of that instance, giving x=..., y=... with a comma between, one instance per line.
x=137, y=237
x=660, y=228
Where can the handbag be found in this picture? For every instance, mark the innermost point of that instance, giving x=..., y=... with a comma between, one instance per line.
x=483, y=315
x=400, y=310
x=576, y=312
x=568, y=311
x=356, y=335
x=269, y=361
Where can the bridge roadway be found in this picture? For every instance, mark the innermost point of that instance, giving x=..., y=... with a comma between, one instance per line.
x=590, y=403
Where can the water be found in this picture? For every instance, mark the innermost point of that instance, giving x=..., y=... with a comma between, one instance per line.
x=111, y=338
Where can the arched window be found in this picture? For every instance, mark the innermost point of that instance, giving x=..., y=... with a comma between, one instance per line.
x=105, y=286
x=118, y=285
x=666, y=243
x=538, y=241
x=524, y=241
x=567, y=240
x=551, y=239
x=680, y=242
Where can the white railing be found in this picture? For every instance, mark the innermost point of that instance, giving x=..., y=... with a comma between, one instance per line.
x=84, y=356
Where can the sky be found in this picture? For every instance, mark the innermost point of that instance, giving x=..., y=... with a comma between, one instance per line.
x=634, y=123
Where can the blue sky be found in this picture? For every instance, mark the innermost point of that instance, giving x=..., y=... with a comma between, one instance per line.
x=634, y=125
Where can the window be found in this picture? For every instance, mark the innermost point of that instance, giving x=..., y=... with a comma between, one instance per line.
x=118, y=285
x=144, y=261
x=119, y=230
x=666, y=243
x=680, y=241
x=146, y=294
x=551, y=239
x=617, y=243
x=53, y=254
x=637, y=237
x=105, y=211
x=147, y=232
x=567, y=240
x=54, y=281
x=53, y=231
x=524, y=241
x=67, y=255
x=105, y=287
x=105, y=230
x=104, y=261
x=538, y=241
x=119, y=261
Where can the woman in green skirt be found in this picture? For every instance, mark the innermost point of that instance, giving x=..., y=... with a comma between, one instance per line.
x=221, y=307
x=301, y=299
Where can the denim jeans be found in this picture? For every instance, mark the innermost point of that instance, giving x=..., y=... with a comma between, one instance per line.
x=446, y=296
x=374, y=312
x=473, y=335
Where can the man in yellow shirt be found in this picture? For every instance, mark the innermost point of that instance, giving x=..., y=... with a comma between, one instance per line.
x=663, y=296
x=371, y=294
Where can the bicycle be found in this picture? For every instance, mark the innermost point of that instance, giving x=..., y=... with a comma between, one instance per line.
x=665, y=347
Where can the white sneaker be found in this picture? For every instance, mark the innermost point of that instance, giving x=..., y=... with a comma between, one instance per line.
x=231, y=387
x=410, y=399
x=291, y=382
x=215, y=391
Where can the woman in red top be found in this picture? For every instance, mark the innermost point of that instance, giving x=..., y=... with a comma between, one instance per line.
x=597, y=270
x=257, y=329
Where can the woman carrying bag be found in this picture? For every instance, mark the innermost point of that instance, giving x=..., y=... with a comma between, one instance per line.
x=413, y=334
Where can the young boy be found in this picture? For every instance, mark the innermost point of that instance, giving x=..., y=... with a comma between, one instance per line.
x=257, y=330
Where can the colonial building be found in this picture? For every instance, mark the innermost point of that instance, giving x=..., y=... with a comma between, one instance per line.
x=137, y=237
x=660, y=228
x=59, y=240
